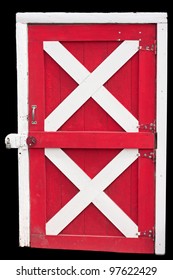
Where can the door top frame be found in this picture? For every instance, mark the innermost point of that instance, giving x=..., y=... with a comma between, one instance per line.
x=66, y=18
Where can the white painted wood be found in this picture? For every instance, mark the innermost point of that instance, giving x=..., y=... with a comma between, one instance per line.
x=116, y=215
x=23, y=158
x=81, y=180
x=91, y=17
x=116, y=110
x=22, y=68
x=161, y=138
x=66, y=60
x=102, y=96
x=90, y=84
x=14, y=140
x=94, y=188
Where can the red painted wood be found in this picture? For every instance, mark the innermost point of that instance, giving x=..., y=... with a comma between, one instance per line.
x=100, y=32
x=146, y=178
x=91, y=137
x=95, y=243
x=37, y=159
x=94, y=140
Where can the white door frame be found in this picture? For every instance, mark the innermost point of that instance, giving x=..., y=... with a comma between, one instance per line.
x=22, y=21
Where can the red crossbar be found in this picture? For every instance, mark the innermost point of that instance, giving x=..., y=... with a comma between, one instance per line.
x=92, y=139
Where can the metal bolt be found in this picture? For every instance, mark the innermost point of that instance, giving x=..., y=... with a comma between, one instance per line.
x=8, y=144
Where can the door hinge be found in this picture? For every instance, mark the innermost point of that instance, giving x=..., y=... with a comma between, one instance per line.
x=14, y=140
x=152, y=47
x=149, y=126
x=147, y=233
x=149, y=155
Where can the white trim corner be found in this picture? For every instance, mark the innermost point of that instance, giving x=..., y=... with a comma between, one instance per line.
x=63, y=17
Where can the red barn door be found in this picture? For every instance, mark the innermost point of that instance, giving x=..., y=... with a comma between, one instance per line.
x=91, y=136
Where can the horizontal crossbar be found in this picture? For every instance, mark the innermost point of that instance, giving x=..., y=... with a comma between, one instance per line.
x=91, y=140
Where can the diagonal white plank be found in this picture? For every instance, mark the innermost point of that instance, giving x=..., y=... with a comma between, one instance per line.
x=91, y=85
x=93, y=191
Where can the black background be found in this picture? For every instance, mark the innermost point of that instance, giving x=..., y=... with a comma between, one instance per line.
x=9, y=248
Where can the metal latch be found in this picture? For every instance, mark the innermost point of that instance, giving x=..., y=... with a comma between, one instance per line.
x=151, y=47
x=147, y=233
x=34, y=107
x=149, y=126
x=14, y=140
x=149, y=155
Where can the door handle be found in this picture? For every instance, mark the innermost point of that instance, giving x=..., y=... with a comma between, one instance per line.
x=33, y=114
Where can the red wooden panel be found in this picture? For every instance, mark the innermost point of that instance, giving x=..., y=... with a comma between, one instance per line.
x=95, y=243
x=95, y=140
x=91, y=138
x=100, y=32
x=146, y=178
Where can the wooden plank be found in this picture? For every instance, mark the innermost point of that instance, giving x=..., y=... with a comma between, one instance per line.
x=66, y=60
x=94, y=140
x=120, y=87
x=96, y=222
x=90, y=85
x=161, y=139
x=91, y=17
x=116, y=110
x=90, y=33
x=102, y=202
x=101, y=181
x=37, y=158
x=23, y=155
x=37, y=192
x=36, y=77
x=146, y=167
x=95, y=243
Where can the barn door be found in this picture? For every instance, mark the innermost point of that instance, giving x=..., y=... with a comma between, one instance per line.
x=92, y=136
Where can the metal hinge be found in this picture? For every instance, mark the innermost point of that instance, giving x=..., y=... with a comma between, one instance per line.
x=15, y=140
x=149, y=126
x=149, y=155
x=152, y=47
x=147, y=233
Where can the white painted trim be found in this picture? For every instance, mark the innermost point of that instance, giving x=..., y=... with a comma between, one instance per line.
x=91, y=17
x=23, y=157
x=161, y=138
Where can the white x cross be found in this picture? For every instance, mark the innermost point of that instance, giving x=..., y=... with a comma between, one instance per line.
x=91, y=85
x=91, y=191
